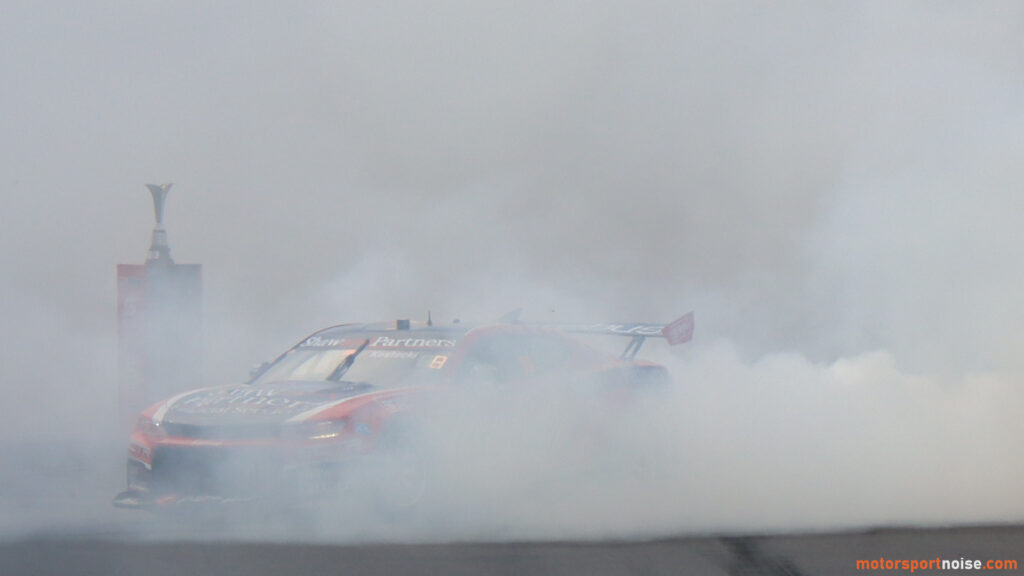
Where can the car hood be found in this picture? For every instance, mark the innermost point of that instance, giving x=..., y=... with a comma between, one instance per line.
x=270, y=403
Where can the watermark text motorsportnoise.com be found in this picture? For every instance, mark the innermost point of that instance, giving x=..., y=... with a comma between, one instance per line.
x=936, y=564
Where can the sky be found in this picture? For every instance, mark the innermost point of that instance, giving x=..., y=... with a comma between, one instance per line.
x=831, y=183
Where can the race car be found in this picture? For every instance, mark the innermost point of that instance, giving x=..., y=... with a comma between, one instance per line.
x=344, y=393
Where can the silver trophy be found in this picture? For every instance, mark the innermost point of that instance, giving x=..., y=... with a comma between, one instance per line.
x=159, y=249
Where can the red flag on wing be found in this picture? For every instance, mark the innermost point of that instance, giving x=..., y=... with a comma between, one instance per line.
x=680, y=330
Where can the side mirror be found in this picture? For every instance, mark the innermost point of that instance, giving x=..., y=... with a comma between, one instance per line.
x=257, y=370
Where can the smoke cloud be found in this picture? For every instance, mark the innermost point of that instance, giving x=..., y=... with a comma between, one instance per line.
x=834, y=190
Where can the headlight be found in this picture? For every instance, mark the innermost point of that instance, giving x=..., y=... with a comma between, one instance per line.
x=149, y=428
x=321, y=430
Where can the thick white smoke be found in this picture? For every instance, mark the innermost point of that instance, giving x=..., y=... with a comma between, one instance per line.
x=833, y=189
x=778, y=445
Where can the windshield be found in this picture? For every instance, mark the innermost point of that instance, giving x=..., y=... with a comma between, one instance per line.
x=382, y=368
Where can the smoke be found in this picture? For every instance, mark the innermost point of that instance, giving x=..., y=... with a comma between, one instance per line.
x=833, y=189
x=781, y=444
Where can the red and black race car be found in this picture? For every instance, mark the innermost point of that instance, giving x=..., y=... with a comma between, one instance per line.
x=340, y=395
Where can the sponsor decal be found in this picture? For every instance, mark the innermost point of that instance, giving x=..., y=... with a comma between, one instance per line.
x=388, y=342
x=242, y=400
x=318, y=341
x=677, y=332
x=140, y=453
x=637, y=329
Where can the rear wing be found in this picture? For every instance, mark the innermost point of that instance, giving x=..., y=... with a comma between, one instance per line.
x=676, y=332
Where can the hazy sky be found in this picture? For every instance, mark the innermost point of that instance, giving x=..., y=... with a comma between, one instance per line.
x=826, y=179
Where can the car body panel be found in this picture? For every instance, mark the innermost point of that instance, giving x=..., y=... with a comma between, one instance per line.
x=330, y=399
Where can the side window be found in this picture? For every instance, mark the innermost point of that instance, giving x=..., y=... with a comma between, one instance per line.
x=491, y=360
x=509, y=357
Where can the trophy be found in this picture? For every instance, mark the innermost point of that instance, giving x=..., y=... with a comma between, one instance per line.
x=159, y=249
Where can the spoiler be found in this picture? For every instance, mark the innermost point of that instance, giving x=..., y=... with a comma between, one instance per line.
x=676, y=332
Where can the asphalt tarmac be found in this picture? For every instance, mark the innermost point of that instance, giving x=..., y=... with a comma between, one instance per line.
x=56, y=518
x=777, y=555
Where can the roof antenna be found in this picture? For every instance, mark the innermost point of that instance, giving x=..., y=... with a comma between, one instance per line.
x=429, y=321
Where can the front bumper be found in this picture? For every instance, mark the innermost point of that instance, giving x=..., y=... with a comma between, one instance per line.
x=174, y=471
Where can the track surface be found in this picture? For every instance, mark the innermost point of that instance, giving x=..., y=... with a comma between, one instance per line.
x=56, y=518
x=796, y=555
